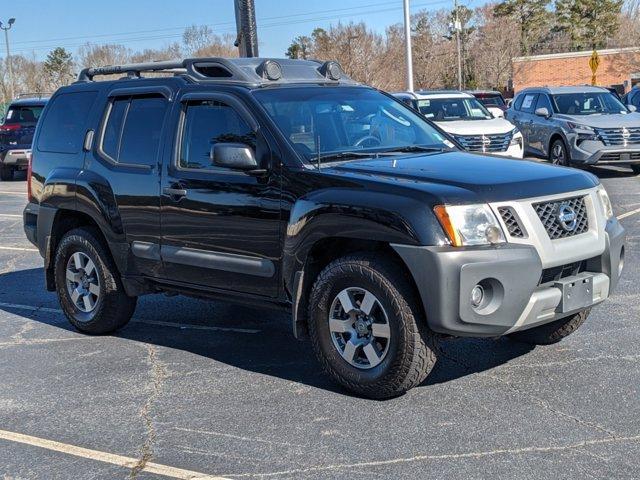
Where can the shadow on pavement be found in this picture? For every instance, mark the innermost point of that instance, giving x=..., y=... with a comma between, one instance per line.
x=272, y=351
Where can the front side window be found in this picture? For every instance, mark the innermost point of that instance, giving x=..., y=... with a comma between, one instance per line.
x=205, y=123
x=590, y=103
x=451, y=109
x=329, y=121
x=133, y=130
x=543, y=102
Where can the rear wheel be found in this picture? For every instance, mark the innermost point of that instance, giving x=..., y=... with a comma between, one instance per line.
x=6, y=174
x=367, y=328
x=636, y=169
x=559, y=155
x=88, y=284
x=552, y=332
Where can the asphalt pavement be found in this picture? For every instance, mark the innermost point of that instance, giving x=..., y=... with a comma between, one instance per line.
x=192, y=389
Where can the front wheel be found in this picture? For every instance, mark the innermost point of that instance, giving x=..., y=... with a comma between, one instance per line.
x=88, y=284
x=367, y=327
x=559, y=155
x=552, y=332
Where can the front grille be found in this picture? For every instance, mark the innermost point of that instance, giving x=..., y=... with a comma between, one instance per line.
x=619, y=136
x=485, y=143
x=512, y=222
x=554, y=274
x=618, y=157
x=548, y=212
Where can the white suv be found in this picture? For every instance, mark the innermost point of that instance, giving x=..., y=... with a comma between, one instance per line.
x=468, y=121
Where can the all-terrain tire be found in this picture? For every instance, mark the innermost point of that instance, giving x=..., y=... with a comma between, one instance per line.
x=552, y=332
x=411, y=352
x=113, y=308
x=6, y=174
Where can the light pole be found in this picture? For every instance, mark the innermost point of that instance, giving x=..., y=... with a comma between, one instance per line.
x=407, y=45
x=458, y=26
x=6, y=40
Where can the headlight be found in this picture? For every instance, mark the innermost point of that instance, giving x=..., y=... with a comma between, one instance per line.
x=585, y=132
x=469, y=224
x=605, y=201
x=516, y=137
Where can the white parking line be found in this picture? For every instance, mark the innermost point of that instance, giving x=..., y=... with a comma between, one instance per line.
x=119, y=460
x=182, y=326
x=20, y=249
x=10, y=215
x=628, y=214
x=13, y=193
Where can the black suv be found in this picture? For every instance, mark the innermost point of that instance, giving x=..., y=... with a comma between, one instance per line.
x=285, y=183
x=16, y=133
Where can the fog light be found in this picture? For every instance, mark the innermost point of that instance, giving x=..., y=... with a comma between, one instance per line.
x=477, y=296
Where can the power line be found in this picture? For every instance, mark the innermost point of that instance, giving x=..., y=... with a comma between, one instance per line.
x=231, y=25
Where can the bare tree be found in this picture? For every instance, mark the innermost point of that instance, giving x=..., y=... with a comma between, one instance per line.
x=201, y=41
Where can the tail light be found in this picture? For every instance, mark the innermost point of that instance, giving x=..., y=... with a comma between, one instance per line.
x=29, y=171
x=10, y=127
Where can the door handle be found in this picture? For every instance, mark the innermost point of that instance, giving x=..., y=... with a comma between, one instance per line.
x=175, y=192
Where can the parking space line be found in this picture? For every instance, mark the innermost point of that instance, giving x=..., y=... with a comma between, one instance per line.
x=13, y=193
x=119, y=460
x=10, y=215
x=159, y=323
x=20, y=249
x=628, y=214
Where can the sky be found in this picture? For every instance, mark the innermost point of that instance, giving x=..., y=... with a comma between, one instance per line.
x=42, y=25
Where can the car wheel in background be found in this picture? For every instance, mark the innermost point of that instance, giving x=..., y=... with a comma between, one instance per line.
x=6, y=174
x=367, y=327
x=559, y=155
x=636, y=169
x=88, y=284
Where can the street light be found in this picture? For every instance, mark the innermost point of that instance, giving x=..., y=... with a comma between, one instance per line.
x=6, y=40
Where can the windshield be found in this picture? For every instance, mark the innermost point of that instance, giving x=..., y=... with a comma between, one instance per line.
x=341, y=120
x=491, y=100
x=587, y=103
x=23, y=114
x=450, y=109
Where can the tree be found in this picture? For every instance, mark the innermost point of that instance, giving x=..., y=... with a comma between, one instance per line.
x=300, y=48
x=200, y=41
x=532, y=17
x=58, y=68
x=589, y=23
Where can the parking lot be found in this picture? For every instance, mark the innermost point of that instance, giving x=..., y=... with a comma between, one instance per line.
x=191, y=389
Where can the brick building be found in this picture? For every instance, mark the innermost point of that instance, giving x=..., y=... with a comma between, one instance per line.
x=619, y=68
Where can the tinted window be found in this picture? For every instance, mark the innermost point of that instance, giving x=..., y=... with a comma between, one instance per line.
x=133, y=131
x=206, y=123
x=63, y=127
x=23, y=114
x=491, y=100
x=517, y=103
x=588, y=103
x=634, y=99
x=451, y=109
x=543, y=102
x=529, y=102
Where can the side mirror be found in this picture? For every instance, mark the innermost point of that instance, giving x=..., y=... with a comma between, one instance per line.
x=237, y=156
x=542, y=112
x=632, y=108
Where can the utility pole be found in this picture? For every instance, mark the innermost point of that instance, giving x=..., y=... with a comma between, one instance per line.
x=9, y=66
x=407, y=45
x=457, y=27
x=247, y=40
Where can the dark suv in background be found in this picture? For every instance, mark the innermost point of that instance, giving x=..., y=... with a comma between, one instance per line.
x=285, y=184
x=16, y=133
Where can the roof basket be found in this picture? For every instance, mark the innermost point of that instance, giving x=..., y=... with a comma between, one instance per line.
x=245, y=71
x=34, y=95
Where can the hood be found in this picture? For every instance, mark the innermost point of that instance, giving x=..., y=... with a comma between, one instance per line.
x=610, y=120
x=460, y=177
x=477, y=127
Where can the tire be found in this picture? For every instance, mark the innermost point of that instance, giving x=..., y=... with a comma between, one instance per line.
x=551, y=332
x=558, y=154
x=635, y=169
x=407, y=354
x=6, y=174
x=112, y=308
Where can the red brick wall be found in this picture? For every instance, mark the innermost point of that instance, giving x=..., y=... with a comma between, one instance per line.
x=614, y=69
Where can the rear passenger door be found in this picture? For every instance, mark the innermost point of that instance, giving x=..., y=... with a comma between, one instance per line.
x=526, y=119
x=123, y=170
x=220, y=227
x=542, y=129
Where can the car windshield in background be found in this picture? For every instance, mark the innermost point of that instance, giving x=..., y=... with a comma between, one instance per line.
x=451, y=109
x=347, y=121
x=587, y=103
x=491, y=100
x=23, y=114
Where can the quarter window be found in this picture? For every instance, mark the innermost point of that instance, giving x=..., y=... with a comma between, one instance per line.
x=207, y=122
x=132, y=133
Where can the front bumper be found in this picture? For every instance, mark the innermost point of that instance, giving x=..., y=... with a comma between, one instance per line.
x=445, y=277
x=595, y=152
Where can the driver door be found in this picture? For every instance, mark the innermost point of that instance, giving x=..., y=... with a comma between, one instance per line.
x=220, y=227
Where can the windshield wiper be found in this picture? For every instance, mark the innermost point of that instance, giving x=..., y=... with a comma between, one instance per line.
x=344, y=155
x=414, y=148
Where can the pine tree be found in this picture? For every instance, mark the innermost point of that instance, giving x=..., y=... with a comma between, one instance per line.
x=588, y=23
x=58, y=67
x=531, y=15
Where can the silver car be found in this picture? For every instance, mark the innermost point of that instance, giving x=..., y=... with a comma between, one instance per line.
x=577, y=125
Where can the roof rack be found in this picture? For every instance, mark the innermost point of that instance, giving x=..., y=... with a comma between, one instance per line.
x=244, y=71
x=34, y=95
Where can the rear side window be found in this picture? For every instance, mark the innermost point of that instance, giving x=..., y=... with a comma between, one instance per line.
x=63, y=126
x=133, y=130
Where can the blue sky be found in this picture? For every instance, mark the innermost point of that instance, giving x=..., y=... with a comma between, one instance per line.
x=44, y=24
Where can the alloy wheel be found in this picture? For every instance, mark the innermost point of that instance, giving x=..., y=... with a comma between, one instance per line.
x=359, y=328
x=558, y=155
x=83, y=284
